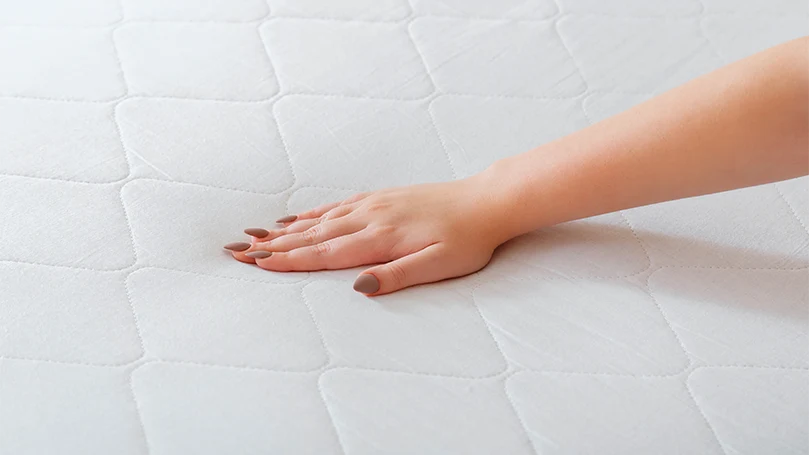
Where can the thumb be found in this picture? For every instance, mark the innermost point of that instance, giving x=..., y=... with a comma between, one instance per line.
x=416, y=268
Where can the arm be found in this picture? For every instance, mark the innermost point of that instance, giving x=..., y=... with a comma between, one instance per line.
x=745, y=124
x=742, y=125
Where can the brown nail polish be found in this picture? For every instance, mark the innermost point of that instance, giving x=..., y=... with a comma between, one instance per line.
x=257, y=232
x=237, y=246
x=366, y=283
x=259, y=254
x=287, y=219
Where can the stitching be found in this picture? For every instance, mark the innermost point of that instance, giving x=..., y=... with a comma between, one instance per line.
x=64, y=100
x=171, y=179
x=117, y=55
x=413, y=373
x=130, y=230
x=273, y=71
x=62, y=180
x=189, y=98
x=287, y=155
x=686, y=354
x=464, y=15
x=278, y=96
x=235, y=367
x=513, y=406
x=665, y=319
x=340, y=19
x=702, y=413
x=341, y=95
x=635, y=235
x=204, y=185
x=75, y=267
x=704, y=34
x=420, y=373
x=71, y=363
x=560, y=277
x=754, y=367
x=610, y=375
x=517, y=97
x=555, y=28
x=340, y=442
x=440, y=137
x=486, y=323
x=315, y=324
x=790, y=269
x=265, y=14
x=423, y=60
x=382, y=22
x=431, y=115
x=128, y=162
x=259, y=100
x=211, y=364
x=63, y=25
x=210, y=275
x=791, y=208
x=131, y=240
x=133, y=312
x=274, y=115
x=138, y=410
x=135, y=320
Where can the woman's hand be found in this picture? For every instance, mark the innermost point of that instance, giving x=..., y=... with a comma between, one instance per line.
x=420, y=234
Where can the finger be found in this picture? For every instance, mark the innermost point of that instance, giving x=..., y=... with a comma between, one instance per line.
x=318, y=233
x=238, y=250
x=425, y=266
x=313, y=213
x=292, y=228
x=302, y=225
x=338, y=253
x=317, y=212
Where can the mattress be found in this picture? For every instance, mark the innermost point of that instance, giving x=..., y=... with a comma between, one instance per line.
x=139, y=136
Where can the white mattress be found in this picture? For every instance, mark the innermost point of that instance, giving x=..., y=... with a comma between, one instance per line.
x=137, y=137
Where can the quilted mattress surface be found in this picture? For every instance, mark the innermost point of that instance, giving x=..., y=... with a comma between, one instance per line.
x=139, y=136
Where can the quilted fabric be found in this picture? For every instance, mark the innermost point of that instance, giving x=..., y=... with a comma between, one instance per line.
x=138, y=136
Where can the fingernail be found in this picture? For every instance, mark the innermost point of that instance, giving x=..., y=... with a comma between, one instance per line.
x=237, y=246
x=257, y=232
x=287, y=219
x=259, y=254
x=366, y=283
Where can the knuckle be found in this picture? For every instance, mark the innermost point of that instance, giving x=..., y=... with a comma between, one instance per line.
x=310, y=235
x=323, y=249
x=397, y=274
x=331, y=214
x=375, y=207
x=384, y=230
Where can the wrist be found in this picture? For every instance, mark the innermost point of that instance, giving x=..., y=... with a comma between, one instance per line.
x=508, y=198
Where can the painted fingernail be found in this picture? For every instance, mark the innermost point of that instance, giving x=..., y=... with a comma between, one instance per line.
x=237, y=246
x=287, y=219
x=257, y=232
x=259, y=254
x=366, y=283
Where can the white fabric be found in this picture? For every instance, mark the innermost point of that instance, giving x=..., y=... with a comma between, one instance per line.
x=137, y=137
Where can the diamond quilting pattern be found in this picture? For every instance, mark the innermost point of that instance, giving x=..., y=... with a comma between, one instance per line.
x=138, y=136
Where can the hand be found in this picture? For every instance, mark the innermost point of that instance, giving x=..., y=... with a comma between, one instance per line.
x=420, y=234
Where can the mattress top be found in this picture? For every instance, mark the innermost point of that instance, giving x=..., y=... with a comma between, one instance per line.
x=139, y=136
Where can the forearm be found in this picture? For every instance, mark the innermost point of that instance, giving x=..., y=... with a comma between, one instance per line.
x=743, y=125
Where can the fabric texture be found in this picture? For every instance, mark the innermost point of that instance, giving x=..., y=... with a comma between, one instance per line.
x=139, y=136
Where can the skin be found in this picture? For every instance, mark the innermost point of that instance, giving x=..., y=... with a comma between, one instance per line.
x=745, y=124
